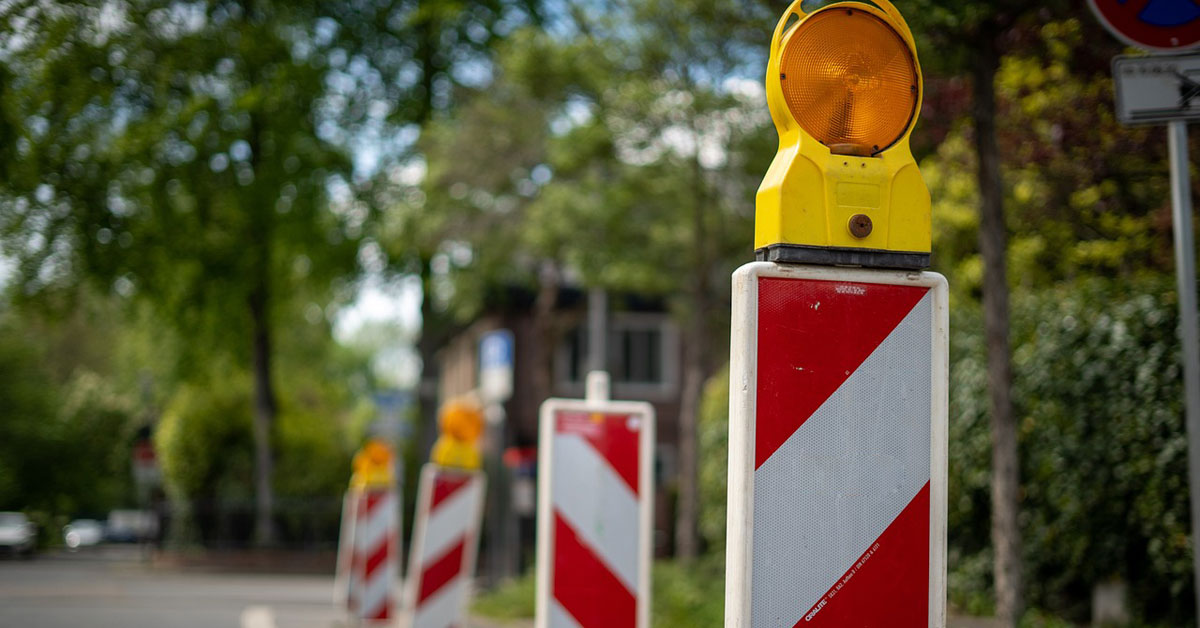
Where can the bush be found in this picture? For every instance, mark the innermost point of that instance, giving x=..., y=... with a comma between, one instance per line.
x=1102, y=443
x=514, y=599
x=714, y=460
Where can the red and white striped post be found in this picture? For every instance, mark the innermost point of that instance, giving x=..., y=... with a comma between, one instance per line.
x=595, y=511
x=837, y=448
x=376, y=564
x=445, y=544
x=368, y=562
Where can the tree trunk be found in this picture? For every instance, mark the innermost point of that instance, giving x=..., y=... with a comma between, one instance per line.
x=265, y=409
x=545, y=330
x=696, y=368
x=687, y=542
x=993, y=244
x=427, y=346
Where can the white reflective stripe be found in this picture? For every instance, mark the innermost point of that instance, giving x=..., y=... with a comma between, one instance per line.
x=370, y=591
x=560, y=618
x=377, y=525
x=376, y=590
x=451, y=521
x=442, y=609
x=598, y=504
x=852, y=467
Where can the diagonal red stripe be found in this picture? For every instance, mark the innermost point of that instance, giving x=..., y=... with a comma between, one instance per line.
x=445, y=484
x=371, y=501
x=585, y=587
x=441, y=571
x=612, y=436
x=811, y=336
x=383, y=611
x=889, y=584
x=379, y=556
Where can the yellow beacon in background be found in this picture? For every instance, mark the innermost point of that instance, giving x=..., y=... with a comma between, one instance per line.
x=461, y=424
x=844, y=89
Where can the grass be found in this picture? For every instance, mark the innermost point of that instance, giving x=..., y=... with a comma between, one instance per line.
x=682, y=596
x=513, y=599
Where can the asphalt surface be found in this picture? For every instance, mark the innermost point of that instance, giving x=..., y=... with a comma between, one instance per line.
x=113, y=587
x=116, y=587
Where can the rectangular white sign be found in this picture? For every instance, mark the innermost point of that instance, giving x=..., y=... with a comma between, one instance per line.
x=1157, y=88
x=837, y=448
x=595, y=513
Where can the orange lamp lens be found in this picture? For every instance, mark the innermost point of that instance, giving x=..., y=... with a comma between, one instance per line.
x=849, y=80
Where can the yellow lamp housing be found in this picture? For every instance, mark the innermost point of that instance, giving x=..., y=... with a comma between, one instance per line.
x=844, y=89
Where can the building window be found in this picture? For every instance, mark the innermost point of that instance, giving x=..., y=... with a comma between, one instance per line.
x=635, y=356
x=639, y=353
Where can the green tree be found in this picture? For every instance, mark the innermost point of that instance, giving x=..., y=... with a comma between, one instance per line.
x=183, y=153
x=417, y=58
x=969, y=37
x=69, y=426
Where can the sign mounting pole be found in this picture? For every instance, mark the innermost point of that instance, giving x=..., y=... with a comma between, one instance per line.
x=1185, y=275
x=595, y=510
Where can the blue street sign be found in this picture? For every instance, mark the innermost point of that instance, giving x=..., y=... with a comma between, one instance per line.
x=496, y=351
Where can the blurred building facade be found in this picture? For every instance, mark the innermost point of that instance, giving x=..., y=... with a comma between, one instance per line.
x=550, y=359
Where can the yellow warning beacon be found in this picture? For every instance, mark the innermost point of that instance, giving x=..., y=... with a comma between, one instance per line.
x=461, y=424
x=844, y=89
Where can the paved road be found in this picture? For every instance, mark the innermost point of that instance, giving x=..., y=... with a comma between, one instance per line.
x=115, y=589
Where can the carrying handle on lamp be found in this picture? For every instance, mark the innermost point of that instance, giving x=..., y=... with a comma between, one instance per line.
x=796, y=9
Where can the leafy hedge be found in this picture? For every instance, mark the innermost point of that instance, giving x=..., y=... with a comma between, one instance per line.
x=1098, y=392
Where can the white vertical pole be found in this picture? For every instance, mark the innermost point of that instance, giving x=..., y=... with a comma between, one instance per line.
x=1189, y=330
x=597, y=358
x=597, y=390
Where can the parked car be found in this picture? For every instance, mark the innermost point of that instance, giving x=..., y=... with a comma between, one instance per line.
x=131, y=526
x=83, y=533
x=17, y=534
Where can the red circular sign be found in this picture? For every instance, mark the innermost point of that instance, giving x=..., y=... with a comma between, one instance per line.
x=1153, y=24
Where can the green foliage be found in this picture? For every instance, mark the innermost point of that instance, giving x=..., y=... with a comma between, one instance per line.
x=67, y=444
x=514, y=599
x=211, y=180
x=1104, y=457
x=204, y=440
x=1085, y=195
x=26, y=405
x=689, y=595
x=713, y=433
x=205, y=443
x=313, y=458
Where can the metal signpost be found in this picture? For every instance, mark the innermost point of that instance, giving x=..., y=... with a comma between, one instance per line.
x=497, y=352
x=1156, y=89
x=595, y=511
x=496, y=366
x=838, y=375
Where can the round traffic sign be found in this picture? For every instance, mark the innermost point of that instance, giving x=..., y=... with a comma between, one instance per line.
x=1151, y=24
